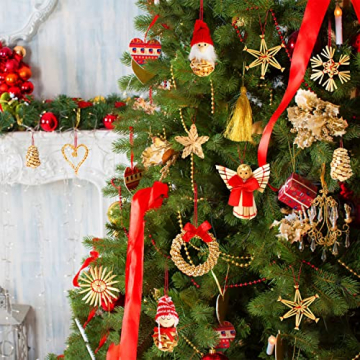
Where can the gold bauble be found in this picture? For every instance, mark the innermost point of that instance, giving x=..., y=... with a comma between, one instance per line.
x=20, y=50
x=113, y=213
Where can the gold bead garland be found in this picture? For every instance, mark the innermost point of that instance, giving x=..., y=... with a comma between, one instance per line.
x=356, y=357
x=348, y=268
x=192, y=345
x=212, y=98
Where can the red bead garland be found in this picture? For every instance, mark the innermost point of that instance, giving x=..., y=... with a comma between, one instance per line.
x=250, y=283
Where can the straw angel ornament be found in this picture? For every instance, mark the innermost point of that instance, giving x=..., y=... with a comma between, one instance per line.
x=242, y=184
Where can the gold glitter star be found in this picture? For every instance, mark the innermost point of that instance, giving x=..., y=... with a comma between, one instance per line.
x=299, y=307
x=330, y=68
x=192, y=142
x=264, y=57
x=97, y=286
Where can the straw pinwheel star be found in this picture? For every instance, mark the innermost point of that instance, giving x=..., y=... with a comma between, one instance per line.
x=264, y=57
x=329, y=68
x=299, y=307
x=97, y=286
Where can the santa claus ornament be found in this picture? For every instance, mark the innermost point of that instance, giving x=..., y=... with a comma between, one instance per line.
x=165, y=334
x=202, y=54
x=242, y=184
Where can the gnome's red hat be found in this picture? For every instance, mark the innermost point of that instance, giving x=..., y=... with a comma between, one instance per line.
x=201, y=33
x=166, y=308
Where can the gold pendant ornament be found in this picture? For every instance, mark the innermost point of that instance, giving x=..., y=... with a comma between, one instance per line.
x=340, y=165
x=192, y=143
x=264, y=57
x=299, y=307
x=74, y=154
x=97, y=286
x=329, y=68
x=32, y=157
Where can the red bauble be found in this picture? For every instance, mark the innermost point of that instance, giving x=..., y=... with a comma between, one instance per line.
x=48, y=122
x=213, y=355
x=27, y=87
x=108, y=121
x=5, y=52
x=15, y=91
x=11, y=79
x=25, y=73
x=120, y=301
x=11, y=66
x=3, y=88
x=292, y=41
x=2, y=77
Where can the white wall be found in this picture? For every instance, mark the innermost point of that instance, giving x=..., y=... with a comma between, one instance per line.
x=75, y=52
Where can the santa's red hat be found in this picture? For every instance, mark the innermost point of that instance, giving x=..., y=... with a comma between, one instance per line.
x=201, y=34
x=166, y=308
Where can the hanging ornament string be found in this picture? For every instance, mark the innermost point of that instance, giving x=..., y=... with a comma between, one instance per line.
x=262, y=27
x=195, y=205
x=118, y=188
x=151, y=25
x=242, y=156
x=201, y=13
x=298, y=279
x=329, y=32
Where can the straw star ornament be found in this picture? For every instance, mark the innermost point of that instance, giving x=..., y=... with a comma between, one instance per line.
x=97, y=284
x=329, y=68
x=299, y=307
x=264, y=57
x=192, y=143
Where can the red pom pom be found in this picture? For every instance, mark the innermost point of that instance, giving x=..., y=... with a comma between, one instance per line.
x=27, y=87
x=108, y=121
x=48, y=122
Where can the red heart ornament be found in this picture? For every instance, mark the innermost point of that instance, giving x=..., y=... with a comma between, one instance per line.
x=132, y=177
x=141, y=50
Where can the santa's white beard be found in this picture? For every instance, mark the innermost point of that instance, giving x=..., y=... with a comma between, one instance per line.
x=208, y=55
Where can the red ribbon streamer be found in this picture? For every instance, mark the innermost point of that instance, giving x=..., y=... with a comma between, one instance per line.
x=92, y=313
x=165, y=331
x=102, y=342
x=143, y=201
x=309, y=30
x=93, y=256
x=201, y=231
x=151, y=25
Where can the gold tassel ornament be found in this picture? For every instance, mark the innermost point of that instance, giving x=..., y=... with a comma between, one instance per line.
x=239, y=127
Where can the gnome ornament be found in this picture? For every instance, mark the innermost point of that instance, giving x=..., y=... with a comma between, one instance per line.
x=242, y=184
x=165, y=334
x=202, y=54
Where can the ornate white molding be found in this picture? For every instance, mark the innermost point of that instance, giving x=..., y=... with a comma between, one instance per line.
x=99, y=166
x=40, y=13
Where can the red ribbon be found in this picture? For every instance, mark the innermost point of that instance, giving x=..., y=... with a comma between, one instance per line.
x=131, y=138
x=166, y=331
x=93, y=256
x=143, y=201
x=309, y=30
x=151, y=25
x=201, y=231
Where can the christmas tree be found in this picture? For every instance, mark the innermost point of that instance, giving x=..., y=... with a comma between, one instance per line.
x=241, y=265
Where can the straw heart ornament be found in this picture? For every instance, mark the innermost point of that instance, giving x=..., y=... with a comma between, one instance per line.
x=74, y=154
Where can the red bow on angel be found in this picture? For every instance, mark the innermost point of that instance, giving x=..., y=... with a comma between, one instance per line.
x=242, y=184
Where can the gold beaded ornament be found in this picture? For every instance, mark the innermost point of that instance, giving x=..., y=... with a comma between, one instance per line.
x=192, y=269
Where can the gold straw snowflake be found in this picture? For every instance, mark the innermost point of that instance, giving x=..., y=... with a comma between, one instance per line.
x=97, y=286
x=192, y=143
x=299, y=307
x=330, y=68
x=264, y=57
